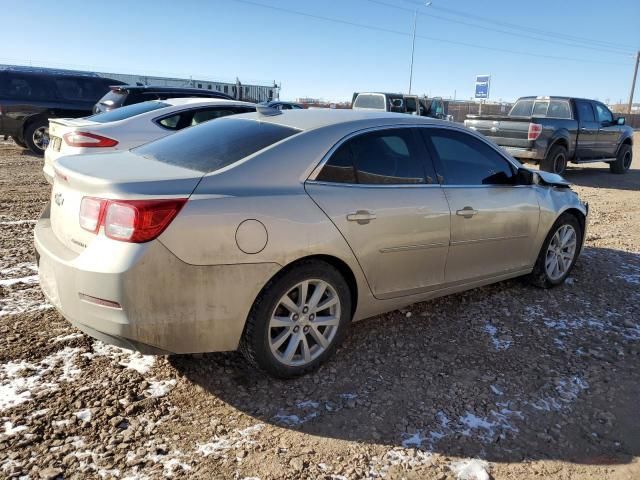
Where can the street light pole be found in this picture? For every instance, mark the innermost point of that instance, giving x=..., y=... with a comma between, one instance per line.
x=413, y=44
x=413, y=48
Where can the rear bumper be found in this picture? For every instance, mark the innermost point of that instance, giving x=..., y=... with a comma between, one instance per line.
x=166, y=305
x=524, y=153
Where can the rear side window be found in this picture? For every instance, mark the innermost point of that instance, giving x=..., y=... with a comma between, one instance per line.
x=370, y=101
x=559, y=109
x=127, y=112
x=585, y=112
x=25, y=87
x=214, y=145
x=385, y=157
x=466, y=160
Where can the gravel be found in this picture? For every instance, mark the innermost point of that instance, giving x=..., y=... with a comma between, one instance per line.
x=504, y=382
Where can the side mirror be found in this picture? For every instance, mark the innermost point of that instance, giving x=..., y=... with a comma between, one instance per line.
x=620, y=120
x=525, y=176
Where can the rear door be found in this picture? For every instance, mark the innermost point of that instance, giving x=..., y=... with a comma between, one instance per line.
x=608, y=132
x=588, y=126
x=493, y=221
x=380, y=191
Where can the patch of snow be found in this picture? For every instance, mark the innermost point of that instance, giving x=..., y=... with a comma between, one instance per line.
x=10, y=430
x=498, y=343
x=16, y=222
x=64, y=338
x=496, y=390
x=84, y=415
x=127, y=358
x=19, y=268
x=235, y=439
x=160, y=388
x=20, y=381
x=28, y=280
x=470, y=469
x=405, y=458
x=60, y=424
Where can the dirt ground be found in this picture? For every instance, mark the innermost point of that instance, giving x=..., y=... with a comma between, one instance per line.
x=508, y=380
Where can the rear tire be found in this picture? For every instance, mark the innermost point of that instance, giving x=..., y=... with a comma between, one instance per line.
x=559, y=252
x=623, y=160
x=36, y=136
x=285, y=341
x=556, y=160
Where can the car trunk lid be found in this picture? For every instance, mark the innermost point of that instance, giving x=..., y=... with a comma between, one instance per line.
x=114, y=176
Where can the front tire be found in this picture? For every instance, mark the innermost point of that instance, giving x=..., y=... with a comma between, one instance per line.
x=559, y=252
x=556, y=160
x=623, y=160
x=36, y=136
x=298, y=320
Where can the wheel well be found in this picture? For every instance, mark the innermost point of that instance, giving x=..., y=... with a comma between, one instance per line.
x=341, y=266
x=33, y=118
x=560, y=141
x=579, y=216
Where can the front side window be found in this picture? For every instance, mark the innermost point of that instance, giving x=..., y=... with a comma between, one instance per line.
x=214, y=145
x=385, y=157
x=604, y=115
x=27, y=88
x=466, y=160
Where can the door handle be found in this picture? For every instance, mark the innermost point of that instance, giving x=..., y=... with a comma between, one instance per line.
x=361, y=216
x=466, y=212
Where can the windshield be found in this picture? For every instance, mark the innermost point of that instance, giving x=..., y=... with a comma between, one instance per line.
x=370, y=101
x=211, y=146
x=127, y=112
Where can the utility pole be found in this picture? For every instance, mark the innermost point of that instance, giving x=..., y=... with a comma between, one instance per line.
x=633, y=83
x=413, y=44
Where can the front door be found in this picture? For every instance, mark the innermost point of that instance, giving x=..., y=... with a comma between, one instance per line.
x=380, y=191
x=588, y=125
x=607, y=133
x=494, y=221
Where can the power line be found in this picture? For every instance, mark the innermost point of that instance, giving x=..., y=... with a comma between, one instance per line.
x=565, y=36
x=515, y=34
x=434, y=39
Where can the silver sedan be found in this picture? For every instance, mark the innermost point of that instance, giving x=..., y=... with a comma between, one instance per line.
x=270, y=232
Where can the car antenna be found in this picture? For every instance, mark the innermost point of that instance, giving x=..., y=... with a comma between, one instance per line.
x=268, y=111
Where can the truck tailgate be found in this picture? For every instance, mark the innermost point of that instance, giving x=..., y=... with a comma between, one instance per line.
x=504, y=131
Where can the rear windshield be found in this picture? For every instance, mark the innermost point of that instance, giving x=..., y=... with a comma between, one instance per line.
x=114, y=98
x=541, y=108
x=127, y=112
x=370, y=101
x=211, y=146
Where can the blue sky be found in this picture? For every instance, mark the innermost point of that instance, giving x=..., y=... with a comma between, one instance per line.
x=310, y=56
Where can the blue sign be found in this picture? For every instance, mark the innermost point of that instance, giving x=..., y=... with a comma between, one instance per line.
x=482, y=86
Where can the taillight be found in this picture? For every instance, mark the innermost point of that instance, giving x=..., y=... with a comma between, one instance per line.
x=86, y=139
x=535, y=129
x=91, y=213
x=135, y=221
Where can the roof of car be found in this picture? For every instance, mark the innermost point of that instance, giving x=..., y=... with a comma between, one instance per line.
x=311, y=119
x=160, y=88
x=202, y=101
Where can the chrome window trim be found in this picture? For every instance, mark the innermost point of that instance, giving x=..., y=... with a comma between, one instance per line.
x=316, y=171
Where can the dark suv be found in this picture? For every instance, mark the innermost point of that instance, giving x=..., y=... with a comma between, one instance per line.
x=122, y=95
x=30, y=96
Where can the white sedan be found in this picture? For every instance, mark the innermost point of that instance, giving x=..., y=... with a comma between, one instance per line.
x=131, y=126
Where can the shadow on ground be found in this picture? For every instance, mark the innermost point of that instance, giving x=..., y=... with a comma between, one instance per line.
x=508, y=372
x=600, y=177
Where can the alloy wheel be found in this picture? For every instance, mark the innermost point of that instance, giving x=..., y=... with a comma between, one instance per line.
x=626, y=161
x=560, y=164
x=304, y=322
x=561, y=252
x=41, y=137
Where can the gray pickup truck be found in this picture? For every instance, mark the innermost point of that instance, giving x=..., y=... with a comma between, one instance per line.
x=553, y=131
